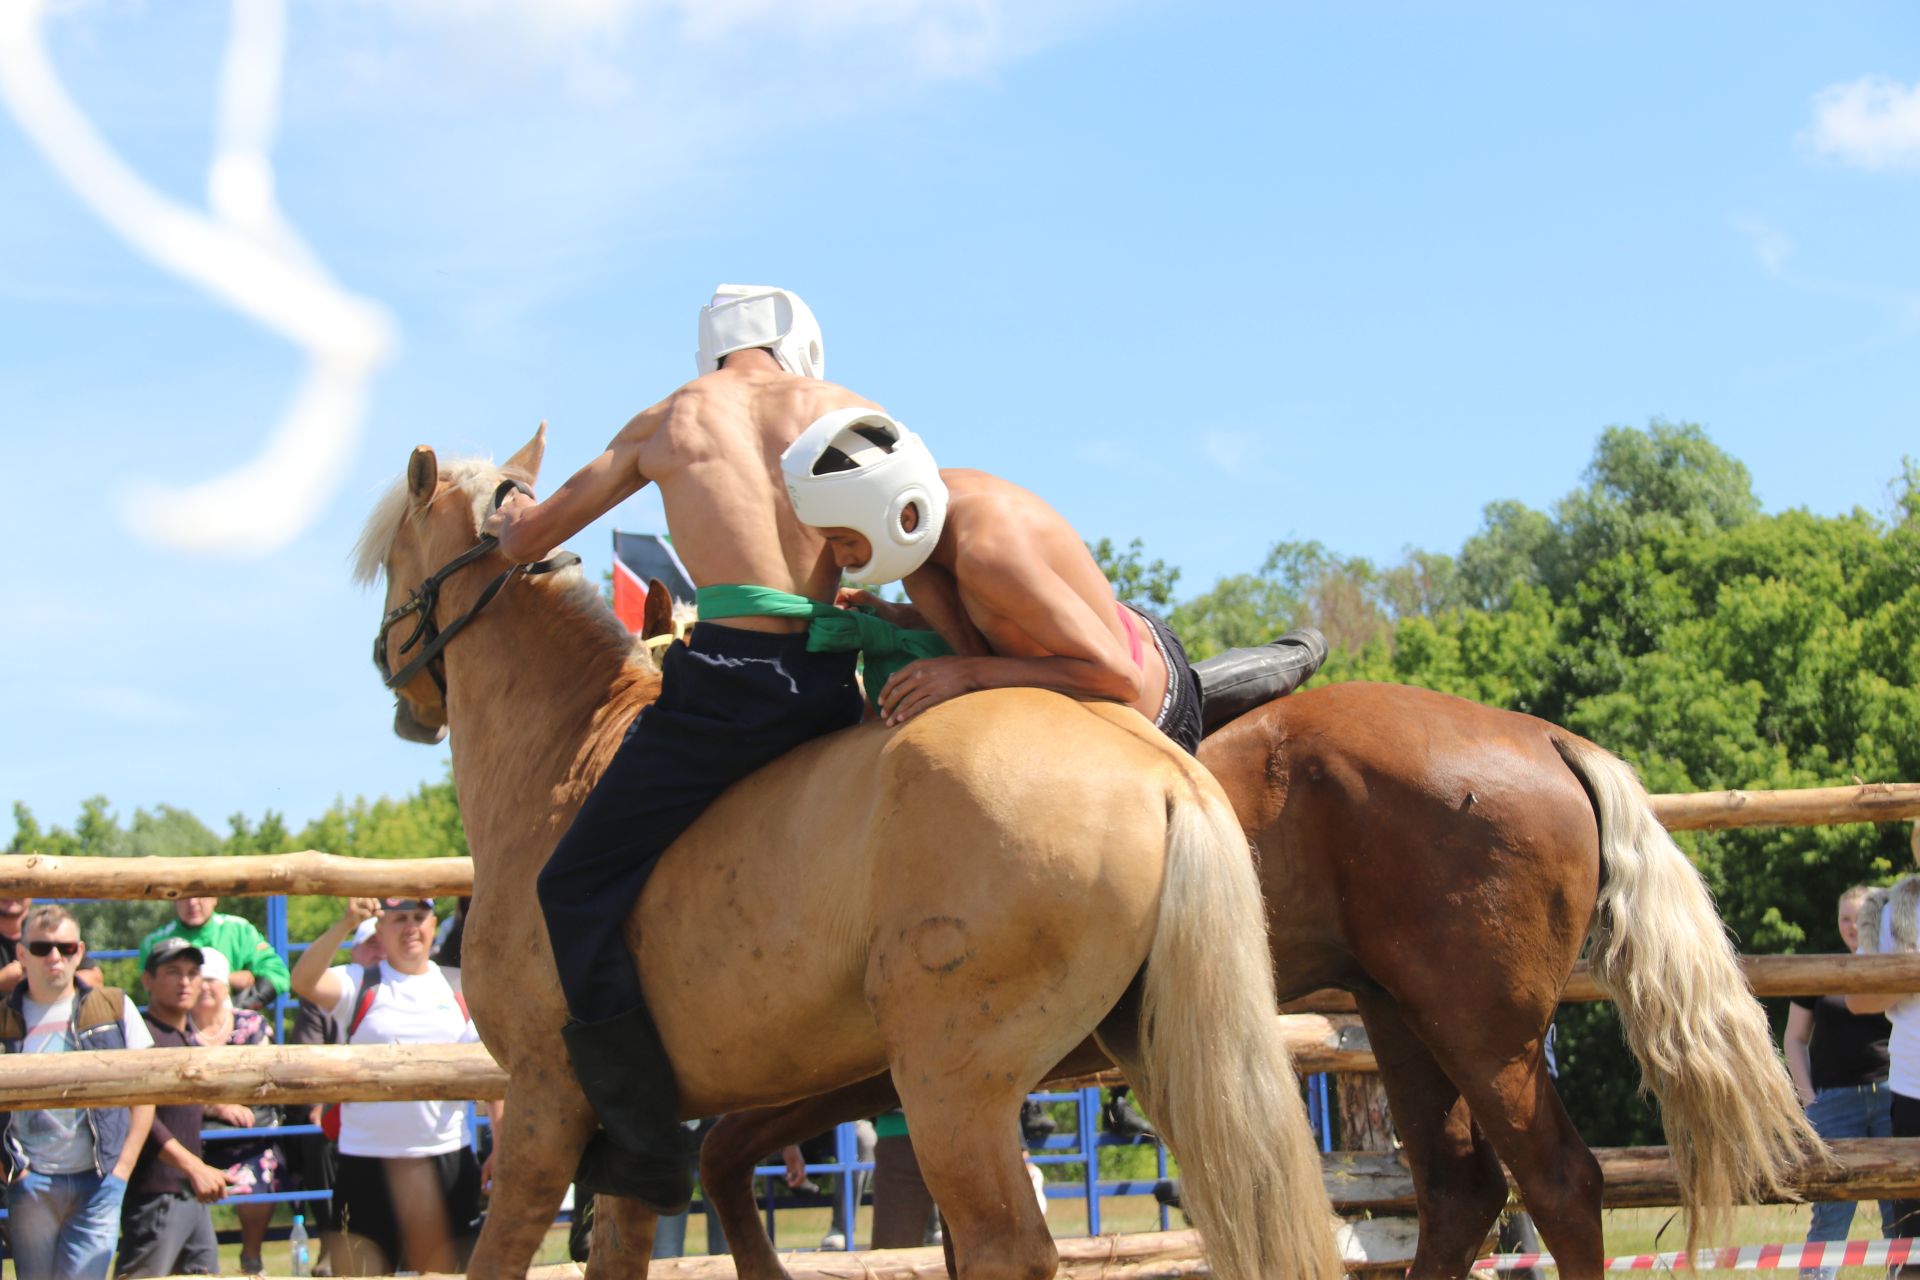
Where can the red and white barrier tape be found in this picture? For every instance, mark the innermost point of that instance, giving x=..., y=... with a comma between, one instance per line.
x=1750, y=1257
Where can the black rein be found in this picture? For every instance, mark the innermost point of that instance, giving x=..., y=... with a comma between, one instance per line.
x=425, y=598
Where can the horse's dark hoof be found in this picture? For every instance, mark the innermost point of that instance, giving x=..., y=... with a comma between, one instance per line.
x=659, y=1180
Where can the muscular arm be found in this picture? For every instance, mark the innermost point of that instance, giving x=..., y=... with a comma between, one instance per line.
x=528, y=531
x=1083, y=658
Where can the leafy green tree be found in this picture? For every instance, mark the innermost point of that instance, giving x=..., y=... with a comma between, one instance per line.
x=1136, y=580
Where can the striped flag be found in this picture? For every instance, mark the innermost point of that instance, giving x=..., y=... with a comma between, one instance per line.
x=639, y=558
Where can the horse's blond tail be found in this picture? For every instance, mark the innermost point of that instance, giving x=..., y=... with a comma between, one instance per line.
x=1214, y=1072
x=1733, y=1124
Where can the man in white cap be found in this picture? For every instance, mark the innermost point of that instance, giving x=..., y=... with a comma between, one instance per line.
x=741, y=690
x=1004, y=592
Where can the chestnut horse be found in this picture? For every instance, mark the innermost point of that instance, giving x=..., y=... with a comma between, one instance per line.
x=956, y=903
x=1444, y=862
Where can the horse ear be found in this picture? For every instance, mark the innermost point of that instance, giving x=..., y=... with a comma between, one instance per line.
x=527, y=460
x=657, y=620
x=423, y=474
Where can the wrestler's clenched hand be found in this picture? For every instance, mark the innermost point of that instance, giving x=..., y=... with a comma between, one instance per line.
x=927, y=683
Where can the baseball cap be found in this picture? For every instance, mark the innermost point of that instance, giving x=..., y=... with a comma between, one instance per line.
x=406, y=904
x=364, y=933
x=173, y=949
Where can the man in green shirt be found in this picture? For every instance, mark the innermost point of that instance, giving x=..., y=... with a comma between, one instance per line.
x=258, y=971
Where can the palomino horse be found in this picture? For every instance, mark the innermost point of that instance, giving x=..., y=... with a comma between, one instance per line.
x=1444, y=862
x=957, y=902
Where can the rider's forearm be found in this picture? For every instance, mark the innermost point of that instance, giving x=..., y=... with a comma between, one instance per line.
x=590, y=493
x=1075, y=677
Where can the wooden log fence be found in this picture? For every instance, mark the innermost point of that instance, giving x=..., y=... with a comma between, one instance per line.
x=312, y=872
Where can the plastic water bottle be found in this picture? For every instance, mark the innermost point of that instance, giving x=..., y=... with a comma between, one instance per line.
x=301, y=1250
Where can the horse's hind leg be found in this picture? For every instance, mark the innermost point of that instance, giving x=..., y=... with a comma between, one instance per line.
x=963, y=1066
x=735, y=1144
x=1558, y=1176
x=966, y=1137
x=1457, y=1180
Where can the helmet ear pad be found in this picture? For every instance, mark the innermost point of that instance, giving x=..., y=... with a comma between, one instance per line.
x=872, y=494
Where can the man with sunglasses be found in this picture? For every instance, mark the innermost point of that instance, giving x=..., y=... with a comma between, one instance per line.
x=67, y=1168
x=13, y=915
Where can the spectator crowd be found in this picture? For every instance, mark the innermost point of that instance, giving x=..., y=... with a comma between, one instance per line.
x=128, y=1191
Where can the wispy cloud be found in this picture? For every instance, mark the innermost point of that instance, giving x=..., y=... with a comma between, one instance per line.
x=1872, y=122
x=1770, y=245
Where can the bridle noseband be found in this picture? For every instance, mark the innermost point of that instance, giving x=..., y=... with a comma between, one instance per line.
x=425, y=598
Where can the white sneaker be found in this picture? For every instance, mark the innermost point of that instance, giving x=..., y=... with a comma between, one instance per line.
x=833, y=1240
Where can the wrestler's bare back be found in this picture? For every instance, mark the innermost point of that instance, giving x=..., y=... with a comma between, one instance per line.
x=713, y=447
x=995, y=522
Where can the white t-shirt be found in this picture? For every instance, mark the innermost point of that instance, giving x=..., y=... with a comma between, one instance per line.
x=58, y=1140
x=408, y=1008
x=1903, y=1046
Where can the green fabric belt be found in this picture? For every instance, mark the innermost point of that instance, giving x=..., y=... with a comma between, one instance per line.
x=884, y=648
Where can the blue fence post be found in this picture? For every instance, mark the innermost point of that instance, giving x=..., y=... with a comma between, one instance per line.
x=277, y=939
x=846, y=1151
x=1090, y=1148
x=1160, y=1162
x=1326, y=1112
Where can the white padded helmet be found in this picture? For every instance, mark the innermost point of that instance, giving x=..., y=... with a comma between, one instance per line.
x=859, y=469
x=743, y=317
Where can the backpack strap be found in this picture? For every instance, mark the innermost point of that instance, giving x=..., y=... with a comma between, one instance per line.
x=452, y=976
x=369, y=988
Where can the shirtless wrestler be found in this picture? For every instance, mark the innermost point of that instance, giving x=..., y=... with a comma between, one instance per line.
x=736, y=695
x=1009, y=586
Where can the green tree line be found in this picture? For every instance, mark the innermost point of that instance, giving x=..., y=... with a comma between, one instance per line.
x=1656, y=609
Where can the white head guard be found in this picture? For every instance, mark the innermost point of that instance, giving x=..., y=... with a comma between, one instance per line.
x=859, y=469
x=742, y=317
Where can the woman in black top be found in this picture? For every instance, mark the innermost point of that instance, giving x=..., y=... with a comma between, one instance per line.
x=1838, y=1061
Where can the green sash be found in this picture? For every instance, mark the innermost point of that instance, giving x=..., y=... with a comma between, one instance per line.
x=884, y=648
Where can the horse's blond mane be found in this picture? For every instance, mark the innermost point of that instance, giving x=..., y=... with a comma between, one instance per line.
x=477, y=478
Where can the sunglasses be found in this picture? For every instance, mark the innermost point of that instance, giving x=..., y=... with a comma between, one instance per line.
x=42, y=947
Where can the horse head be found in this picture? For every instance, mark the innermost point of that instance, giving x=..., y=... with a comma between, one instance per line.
x=425, y=529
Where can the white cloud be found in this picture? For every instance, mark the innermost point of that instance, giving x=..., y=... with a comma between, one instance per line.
x=1770, y=244
x=1872, y=122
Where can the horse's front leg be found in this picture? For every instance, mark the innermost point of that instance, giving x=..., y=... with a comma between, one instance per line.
x=738, y=1142
x=543, y=1129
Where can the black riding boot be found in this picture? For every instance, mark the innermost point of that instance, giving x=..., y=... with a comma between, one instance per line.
x=641, y=1150
x=1235, y=682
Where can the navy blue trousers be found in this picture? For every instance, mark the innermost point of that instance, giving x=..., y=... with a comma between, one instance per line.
x=730, y=701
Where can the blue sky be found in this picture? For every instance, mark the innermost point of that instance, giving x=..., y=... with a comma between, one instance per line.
x=1210, y=275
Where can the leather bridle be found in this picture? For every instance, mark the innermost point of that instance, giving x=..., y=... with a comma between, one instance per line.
x=425, y=598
